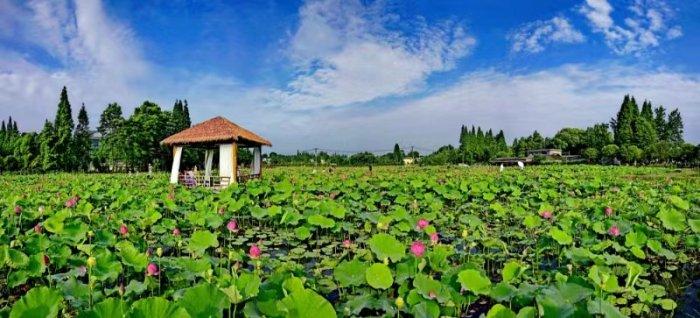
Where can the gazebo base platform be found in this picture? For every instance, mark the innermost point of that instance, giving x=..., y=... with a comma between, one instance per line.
x=216, y=182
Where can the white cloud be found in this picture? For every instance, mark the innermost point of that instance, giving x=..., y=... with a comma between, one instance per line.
x=644, y=28
x=532, y=37
x=346, y=53
x=547, y=100
x=96, y=57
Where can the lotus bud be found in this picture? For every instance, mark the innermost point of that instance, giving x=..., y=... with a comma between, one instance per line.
x=122, y=290
x=399, y=303
x=41, y=209
x=91, y=261
x=176, y=232
x=159, y=251
x=608, y=211
x=465, y=233
x=90, y=233
x=152, y=270
x=123, y=230
x=37, y=228
x=18, y=209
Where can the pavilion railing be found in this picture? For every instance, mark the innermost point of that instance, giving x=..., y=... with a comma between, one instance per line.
x=194, y=180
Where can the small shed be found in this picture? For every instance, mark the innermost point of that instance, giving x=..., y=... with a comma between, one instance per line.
x=224, y=135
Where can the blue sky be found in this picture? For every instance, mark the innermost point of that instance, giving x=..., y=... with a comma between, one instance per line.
x=355, y=75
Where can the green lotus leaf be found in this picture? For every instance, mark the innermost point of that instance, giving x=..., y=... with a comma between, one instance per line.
x=426, y=309
x=679, y=203
x=379, y=276
x=560, y=236
x=604, y=308
x=156, y=307
x=244, y=287
x=350, y=273
x=500, y=311
x=108, y=308
x=306, y=303
x=131, y=256
x=202, y=240
x=302, y=233
x=430, y=288
x=38, y=302
x=321, y=221
x=527, y=312
x=672, y=219
x=204, y=300
x=474, y=281
x=387, y=246
x=511, y=271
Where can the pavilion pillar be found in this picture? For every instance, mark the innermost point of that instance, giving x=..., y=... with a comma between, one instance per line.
x=177, y=155
x=257, y=160
x=208, y=161
x=227, y=161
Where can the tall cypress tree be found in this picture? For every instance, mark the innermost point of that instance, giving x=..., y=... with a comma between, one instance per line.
x=660, y=123
x=186, y=110
x=647, y=112
x=623, y=124
x=82, y=140
x=47, y=160
x=674, y=126
x=63, y=127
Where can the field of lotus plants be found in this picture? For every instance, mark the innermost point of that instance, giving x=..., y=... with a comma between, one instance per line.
x=551, y=241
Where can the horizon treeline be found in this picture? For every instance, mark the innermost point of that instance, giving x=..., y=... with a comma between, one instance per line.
x=646, y=135
x=117, y=144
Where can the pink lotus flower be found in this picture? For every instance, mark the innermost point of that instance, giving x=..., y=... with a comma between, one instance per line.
x=346, y=243
x=149, y=251
x=422, y=224
x=432, y=294
x=608, y=211
x=18, y=209
x=123, y=230
x=37, y=228
x=418, y=248
x=254, y=251
x=176, y=232
x=152, y=270
x=614, y=231
x=72, y=201
x=434, y=238
x=232, y=226
x=81, y=271
x=46, y=260
x=546, y=214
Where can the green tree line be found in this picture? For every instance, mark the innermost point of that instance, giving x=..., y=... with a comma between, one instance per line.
x=646, y=135
x=118, y=143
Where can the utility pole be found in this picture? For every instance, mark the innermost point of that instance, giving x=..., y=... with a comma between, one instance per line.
x=315, y=156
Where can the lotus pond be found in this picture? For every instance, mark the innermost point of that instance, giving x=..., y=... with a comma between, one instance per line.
x=574, y=241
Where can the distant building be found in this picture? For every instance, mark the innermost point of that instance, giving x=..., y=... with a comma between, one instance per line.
x=95, y=138
x=545, y=152
x=409, y=161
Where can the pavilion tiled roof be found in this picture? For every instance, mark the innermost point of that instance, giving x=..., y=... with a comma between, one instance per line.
x=217, y=129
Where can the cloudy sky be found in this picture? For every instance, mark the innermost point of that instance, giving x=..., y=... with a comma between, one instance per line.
x=355, y=75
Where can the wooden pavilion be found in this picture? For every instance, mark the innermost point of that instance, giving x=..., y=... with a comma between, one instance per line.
x=209, y=135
